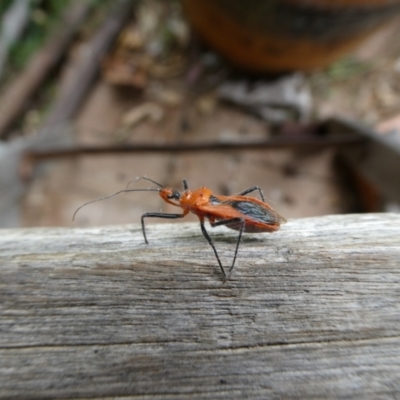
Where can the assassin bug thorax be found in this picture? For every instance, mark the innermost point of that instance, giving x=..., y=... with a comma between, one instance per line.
x=240, y=212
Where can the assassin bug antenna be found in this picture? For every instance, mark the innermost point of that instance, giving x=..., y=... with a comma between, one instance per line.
x=126, y=190
x=240, y=212
x=112, y=195
x=145, y=178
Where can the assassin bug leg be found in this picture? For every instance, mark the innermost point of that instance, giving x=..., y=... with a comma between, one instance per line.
x=157, y=215
x=211, y=243
x=252, y=189
x=227, y=222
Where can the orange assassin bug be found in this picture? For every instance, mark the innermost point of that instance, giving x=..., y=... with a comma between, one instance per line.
x=240, y=212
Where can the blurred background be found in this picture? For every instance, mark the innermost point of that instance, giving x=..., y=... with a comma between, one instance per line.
x=299, y=97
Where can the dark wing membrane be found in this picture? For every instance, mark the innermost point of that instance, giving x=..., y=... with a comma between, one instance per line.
x=214, y=200
x=256, y=211
x=258, y=216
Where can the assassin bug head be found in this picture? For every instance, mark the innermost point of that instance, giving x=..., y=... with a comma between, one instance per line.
x=168, y=194
x=171, y=194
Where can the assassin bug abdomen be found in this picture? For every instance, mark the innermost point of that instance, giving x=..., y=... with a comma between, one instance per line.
x=241, y=213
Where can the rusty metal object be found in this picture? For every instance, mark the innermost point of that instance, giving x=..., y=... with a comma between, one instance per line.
x=287, y=35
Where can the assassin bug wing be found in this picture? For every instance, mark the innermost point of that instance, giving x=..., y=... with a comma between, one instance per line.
x=257, y=215
x=254, y=208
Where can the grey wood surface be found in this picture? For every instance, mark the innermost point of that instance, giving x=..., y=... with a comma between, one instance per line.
x=311, y=311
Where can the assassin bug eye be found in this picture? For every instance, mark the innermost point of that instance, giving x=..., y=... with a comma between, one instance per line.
x=175, y=195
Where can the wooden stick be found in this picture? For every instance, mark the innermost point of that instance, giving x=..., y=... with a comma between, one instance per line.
x=307, y=141
x=70, y=100
x=12, y=22
x=16, y=95
x=32, y=157
x=311, y=311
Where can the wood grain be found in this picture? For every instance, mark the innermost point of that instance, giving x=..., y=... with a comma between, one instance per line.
x=311, y=311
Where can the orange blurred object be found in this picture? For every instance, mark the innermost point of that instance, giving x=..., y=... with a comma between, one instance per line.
x=287, y=35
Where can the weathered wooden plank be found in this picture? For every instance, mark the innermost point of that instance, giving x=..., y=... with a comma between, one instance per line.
x=311, y=311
